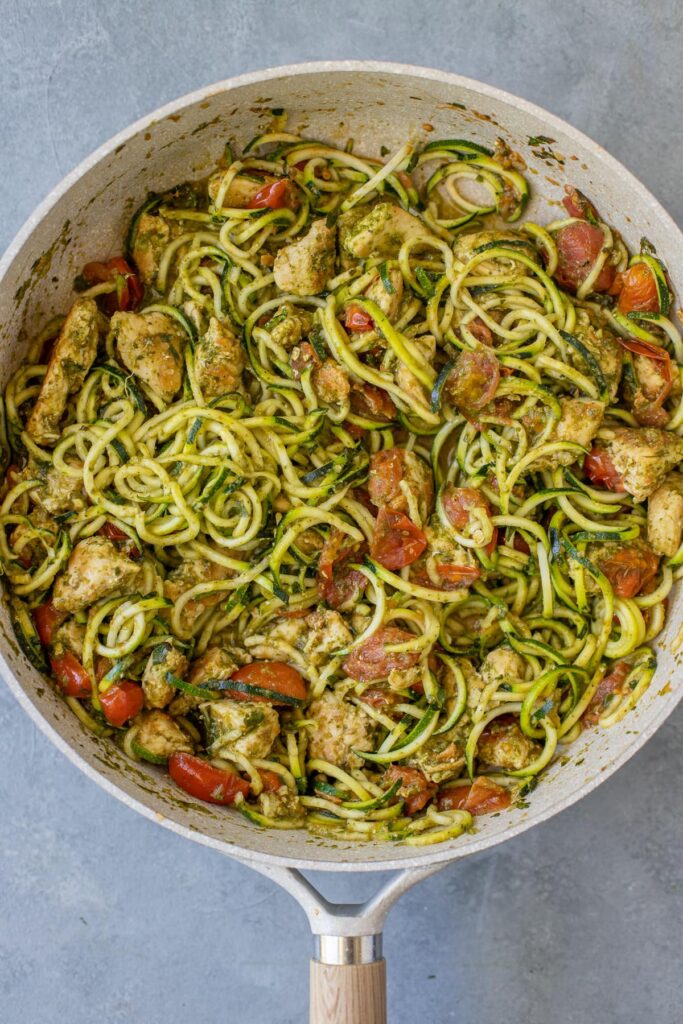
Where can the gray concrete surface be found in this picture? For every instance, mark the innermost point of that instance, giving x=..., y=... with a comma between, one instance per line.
x=104, y=917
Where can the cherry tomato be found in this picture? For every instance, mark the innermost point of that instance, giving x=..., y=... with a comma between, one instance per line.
x=397, y=541
x=303, y=356
x=629, y=568
x=459, y=575
x=271, y=780
x=275, y=676
x=272, y=196
x=578, y=205
x=205, y=782
x=337, y=583
x=473, y=380
x=46, y=618
x=71, y=676
x=483, y=797
x=610, y=683
x=128, y=292
x=638, y=290
x=122, y=701
x=370, y=662
x=481, y=331
x=113, y=532
x=519, y=544
x=387, y=471
x=415, y=789
x=460, y=502
x=380, y=699
x=372, y=403
x=578, y=247
x=357, y=320
x=600, y=470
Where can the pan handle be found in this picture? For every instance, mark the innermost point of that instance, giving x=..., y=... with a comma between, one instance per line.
x=348, y=981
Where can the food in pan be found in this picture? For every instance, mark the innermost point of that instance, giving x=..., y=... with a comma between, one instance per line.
x=347, y=495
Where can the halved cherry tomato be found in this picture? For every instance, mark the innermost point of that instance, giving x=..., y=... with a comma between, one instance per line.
x=578, y=205
x=638, y=290
x=380, y=699
x=600, y=470
x=112, y=532
x=273, y=196
x=458, y=575
x=357, y=320
x=128, y=292
x=611, y=683
x=370, y=662
x=397, y=541
x=271, y=780
x=415, y=789
x=122, y=701
x=578, y=247
x=519, y=544
x=46, y=618
x=483, y=797
x=205, y=782
x=372, y=403
x=629, y=568
x=275, y=676
x=337, y=583
x=473, y=380
x=481, y=331
x=388, y=469
x=460, y=502
x=71, y=676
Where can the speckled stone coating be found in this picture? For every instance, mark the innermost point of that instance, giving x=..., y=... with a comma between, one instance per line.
x=104, y=916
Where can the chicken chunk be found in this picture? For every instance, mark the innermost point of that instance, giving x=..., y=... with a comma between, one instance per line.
x=643, y=456
x=304, y=267
x=27, y=542
x=400, y=480
x=163, y=659
x=503, y=666
x=331, y=383
x=338, y=727
x=466, y=246
x=504, y=745
x=69, y=637
x=152, y=235
x=215, y=663
x=442, y=552
x=160, y=736
x=382, y=231
x=239, y=727
x=151, y=346
x=59, y=492
x=441, y=757
x=189, y=574
x=606, y=352
x=96, y=569
x=579, y=422
x=282, y=805
x=665, y=515
x=218, y=361
x=290, y=325
x=72, y=356
x=326, y=632
x=407, y=380
x=242, y=189
x=388, y=299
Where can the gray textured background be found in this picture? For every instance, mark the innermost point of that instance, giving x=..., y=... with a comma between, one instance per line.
x=104, y=917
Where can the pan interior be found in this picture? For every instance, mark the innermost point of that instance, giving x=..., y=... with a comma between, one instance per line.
x=375, y=105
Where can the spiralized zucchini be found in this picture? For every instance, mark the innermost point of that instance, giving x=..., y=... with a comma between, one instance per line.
x=344, y=430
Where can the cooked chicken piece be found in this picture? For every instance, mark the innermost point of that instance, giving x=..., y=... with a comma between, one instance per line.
x=326, y=632
x=605, y=350
x=338, y=728
x=665, y=515
x=151, y=345
x=152, y=235
x=239, y=726
x=72, y=356
x=441, y=757
x=303, y=267
x=579, y=422
x=215, y=663
x=401, y=480
x=643, y=456
x=59, y=492
x=282, y=805
x=442, y=550
x=189, y=574
x=23, y=538
x=407, y=380
x=647, y=386
x=96, y=569
x=69, y=636
x=331, y=383
x=466, y=245
x=291, y=325
x=218, y=361
x=163, y=659
x=503, y=666
x=504, y=745
x=161, y=736
x=389, y=301
x=382, y=231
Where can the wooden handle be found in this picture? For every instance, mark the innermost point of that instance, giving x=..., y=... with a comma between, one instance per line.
x=348, y=993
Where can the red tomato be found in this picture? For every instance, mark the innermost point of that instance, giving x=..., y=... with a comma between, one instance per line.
x=473, y=380
x=578, y=247
x=397, y=541
x=338, y=584
x=122, y=701
x=380, y=699
x=481, y=331
x=71, y=676
x=113, y=532
x=459, y=502
x=578, y=205
x=271, y=780
x=303, y=356
x=459, y=575
x=611, y=683
x=483, y=797
x=638, y=290
x=600, y=470
x=372, y=403
x=357, y=320
x=629, y=568
x=46, y=618
x=519, y=544
x=128, y=292
x=272, y=196
x=369, y=662
x=275, y=676
x=387, y=470
x=201, y=780
x=415, y=789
